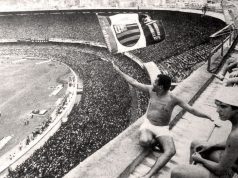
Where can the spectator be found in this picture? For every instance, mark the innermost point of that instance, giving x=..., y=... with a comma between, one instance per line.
x=220, y=159
x=204, y=9
x=154, y=131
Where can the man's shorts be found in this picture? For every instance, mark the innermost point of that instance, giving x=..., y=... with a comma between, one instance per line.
x=156, y=130
x=229, y=174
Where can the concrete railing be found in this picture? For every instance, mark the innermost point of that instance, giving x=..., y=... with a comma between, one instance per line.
x=217, y=54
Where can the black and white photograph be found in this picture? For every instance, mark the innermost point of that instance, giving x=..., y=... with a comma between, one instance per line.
x=119, y=89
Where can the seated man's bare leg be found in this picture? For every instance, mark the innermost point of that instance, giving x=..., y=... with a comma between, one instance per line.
x=191, y=171
x=146, y=138
x=167, y=144
x=213, y=154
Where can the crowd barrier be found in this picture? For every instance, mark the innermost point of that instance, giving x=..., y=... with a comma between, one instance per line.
x=217, y=54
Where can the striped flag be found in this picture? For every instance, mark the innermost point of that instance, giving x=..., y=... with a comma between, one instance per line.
x=126, y=32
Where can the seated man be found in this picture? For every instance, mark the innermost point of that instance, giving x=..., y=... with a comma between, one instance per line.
x=220, y=159
x=155, y=129
x=230, y=65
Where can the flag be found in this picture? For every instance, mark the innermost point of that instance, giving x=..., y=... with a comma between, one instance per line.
x=126, y=32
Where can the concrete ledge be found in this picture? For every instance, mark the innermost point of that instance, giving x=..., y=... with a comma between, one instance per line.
x=113, y=158
x=190, y=89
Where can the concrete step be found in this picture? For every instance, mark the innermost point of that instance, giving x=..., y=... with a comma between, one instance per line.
x=148, y=161
x=142, y=169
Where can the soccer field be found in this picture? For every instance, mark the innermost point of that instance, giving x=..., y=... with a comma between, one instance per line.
x=26, y=85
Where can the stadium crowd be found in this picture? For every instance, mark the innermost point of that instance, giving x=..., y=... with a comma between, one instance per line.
x=105, y=107
x=182, y=65
x=103, y=113
x=182, y=33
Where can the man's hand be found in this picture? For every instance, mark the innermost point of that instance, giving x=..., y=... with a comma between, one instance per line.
x=235, y=69
x=197, y=157
x=233, y=63
x=216, y=122
x=233, y=74
x=210, y=118
x=235, y=168
x=146, y=176
x=219, y=76
x=115, y=66
x=203, y=147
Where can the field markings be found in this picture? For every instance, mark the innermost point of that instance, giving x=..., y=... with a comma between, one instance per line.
x=4, y=141
x=18, y=61
x=42, y=62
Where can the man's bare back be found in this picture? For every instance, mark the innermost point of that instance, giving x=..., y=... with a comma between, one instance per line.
x=232, y=142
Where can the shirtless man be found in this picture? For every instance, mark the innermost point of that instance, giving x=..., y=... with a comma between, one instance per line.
x=155, y=130
x=216, y=159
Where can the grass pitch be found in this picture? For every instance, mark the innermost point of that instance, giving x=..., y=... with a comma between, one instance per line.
x=25, y=86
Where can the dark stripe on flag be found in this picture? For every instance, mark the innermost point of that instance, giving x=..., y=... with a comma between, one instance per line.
x=130, y=43
x=134, y=37
x=128, y=34
x=132, y=27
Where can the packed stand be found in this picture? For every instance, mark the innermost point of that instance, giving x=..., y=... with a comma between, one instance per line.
x=45, y=26
x=182, y=33
x=103, y=113
x=182, y=65
x=183, y=36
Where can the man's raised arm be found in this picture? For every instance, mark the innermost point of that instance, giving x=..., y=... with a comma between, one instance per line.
x=131, y=80
x=192, y=110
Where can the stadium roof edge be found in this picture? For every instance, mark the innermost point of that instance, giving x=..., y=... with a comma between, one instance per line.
x=217, y=15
